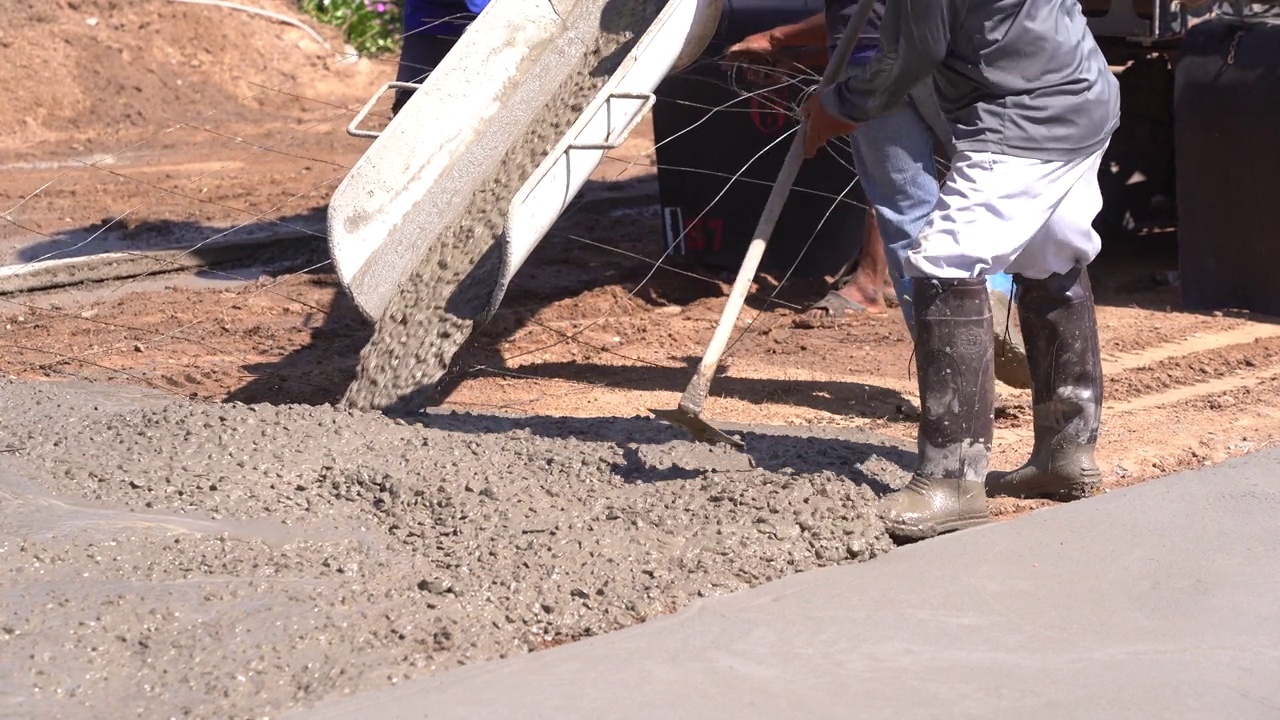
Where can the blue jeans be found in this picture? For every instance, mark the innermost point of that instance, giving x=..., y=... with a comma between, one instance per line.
x=893, y=155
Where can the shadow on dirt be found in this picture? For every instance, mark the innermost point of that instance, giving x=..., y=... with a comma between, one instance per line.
x=320, y=372
x=856, y=455
x=612, y=245
x=837, y=398
x=201, y=242
x=317, y=373
x=1129, y=272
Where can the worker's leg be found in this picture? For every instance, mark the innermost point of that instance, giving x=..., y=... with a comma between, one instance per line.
x=1057, y=315
x=894, y=158
x=1011, y=353
x=858, y=289
x=991, y=215
x=420, y=53
x=893, y=155
x=878, y=277
x=866, y=286
x=992, y=207
x=955, y=371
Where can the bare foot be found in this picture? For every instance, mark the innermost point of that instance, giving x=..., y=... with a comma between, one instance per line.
x=889, y=293
x=869, y=294
x=857, y=297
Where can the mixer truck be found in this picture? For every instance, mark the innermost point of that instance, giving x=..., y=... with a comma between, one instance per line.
x=1200, y=130
x=1199, y=139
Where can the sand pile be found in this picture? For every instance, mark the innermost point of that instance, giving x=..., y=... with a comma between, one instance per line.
x=164, y=557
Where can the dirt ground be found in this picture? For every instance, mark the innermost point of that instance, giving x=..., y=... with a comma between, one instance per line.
x=231, y=136
x=245, y=126
x=143, y=125
x=1183, y=389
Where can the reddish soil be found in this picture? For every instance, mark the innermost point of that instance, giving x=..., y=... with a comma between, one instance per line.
x=245, y=123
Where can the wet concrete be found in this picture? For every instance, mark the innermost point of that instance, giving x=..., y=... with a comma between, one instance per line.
x=160, y=557
x=437, y=307
x=1156, y=601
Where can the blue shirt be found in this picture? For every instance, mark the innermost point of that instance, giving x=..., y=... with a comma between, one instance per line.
x=440, y=17
x=838, y=14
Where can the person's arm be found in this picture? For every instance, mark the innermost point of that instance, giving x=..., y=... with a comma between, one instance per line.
x=808, y=33
x=915, y=37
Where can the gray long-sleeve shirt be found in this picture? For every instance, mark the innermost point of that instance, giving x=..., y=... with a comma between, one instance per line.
x=1016, y=77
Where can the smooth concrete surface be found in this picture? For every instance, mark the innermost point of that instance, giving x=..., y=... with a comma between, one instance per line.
x=1157, y=601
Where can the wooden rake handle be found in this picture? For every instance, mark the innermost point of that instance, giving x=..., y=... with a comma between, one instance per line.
x=696, y=393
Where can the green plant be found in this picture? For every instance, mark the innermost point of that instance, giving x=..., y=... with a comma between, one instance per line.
x=372, y=27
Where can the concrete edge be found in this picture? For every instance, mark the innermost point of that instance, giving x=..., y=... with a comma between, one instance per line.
x=53, y=274
x=415, y=698
x=66, y=272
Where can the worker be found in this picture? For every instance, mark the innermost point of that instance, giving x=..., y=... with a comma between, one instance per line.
x=894, y=158
x=431, y=28
x=1032, y=106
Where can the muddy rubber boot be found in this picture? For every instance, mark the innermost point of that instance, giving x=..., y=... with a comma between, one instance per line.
x=1066, y=376
x=954, y=362
x=1011, y=351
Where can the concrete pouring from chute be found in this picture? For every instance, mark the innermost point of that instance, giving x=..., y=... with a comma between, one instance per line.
x=398, y=199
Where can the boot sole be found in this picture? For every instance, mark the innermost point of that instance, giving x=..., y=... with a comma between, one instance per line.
x=914, y=532
x=1057, y=494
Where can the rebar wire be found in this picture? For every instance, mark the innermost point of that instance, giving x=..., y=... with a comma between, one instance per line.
x=207, y=123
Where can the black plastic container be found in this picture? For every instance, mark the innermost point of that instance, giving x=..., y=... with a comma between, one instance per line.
x=1227, y=127
x=710, y=217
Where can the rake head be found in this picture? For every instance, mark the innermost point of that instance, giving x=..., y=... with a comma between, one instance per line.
x=701, y=430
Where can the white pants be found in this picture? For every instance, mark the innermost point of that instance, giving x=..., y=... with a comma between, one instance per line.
x=999, y=213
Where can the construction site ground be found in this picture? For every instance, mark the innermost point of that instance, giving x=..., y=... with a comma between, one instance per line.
x=141, y=127
x=1154, y=586
x=247, y=129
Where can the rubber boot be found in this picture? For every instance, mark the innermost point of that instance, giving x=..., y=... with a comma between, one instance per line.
x=1058, y=322
x=957, y=392
x=1011, y=351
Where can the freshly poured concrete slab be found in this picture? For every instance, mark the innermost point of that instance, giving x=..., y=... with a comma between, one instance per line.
x=165, y=558
x=1157, y=601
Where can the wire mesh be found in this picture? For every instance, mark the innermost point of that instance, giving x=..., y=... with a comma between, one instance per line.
x=191, y=259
